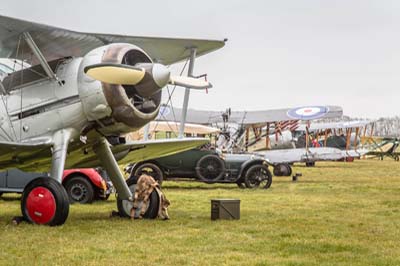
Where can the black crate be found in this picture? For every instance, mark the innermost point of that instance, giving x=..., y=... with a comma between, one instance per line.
x=228, y=209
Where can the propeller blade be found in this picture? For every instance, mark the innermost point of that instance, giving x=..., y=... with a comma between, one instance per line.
x=189, y=82
x=115, y=73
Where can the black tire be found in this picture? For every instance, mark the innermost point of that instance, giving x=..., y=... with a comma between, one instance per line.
x=125, y=206
x=1, y=194
x=210, y=168
x=310, y=164
x=396, y=158
x=282, y=169
x=258, y=175
x=79, y=190
x=55, y=191
x=290, y=170
x=151, y=169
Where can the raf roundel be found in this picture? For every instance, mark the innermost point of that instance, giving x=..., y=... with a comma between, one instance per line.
x=308, y=112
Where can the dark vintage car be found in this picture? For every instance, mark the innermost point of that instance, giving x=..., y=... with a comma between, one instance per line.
x=209, y=166
x=82, y=185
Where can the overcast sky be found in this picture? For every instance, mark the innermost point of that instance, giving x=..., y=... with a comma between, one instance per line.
x=279, y=54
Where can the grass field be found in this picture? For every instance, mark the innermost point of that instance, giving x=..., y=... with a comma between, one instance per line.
x=336, y=214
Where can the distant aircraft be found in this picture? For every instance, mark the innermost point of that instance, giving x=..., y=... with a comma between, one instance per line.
x=82, y=92
x=343, y=135
x=171, y=130
x=267, y=127
x=385, y=147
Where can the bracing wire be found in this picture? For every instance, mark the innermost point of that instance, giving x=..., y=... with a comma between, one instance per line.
x=11, y=82
x=21, y=98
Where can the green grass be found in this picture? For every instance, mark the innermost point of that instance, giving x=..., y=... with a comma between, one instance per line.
x=336, y=214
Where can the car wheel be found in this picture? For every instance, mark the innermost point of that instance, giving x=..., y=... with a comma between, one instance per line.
x=79, y=190
x=45, y=201
x=258, y=175
x=125, y=206
x=282, y=169
x=210, y=168
x=151, y=169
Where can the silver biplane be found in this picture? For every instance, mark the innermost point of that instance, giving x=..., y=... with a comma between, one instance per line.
x=75, y=94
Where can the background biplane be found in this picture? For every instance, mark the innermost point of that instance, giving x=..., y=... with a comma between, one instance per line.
x=264, y=130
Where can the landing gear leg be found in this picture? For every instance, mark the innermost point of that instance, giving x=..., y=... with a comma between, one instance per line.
x=102, y=149
x=124, y=189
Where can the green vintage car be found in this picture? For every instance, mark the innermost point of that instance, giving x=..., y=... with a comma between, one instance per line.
x=209, y=166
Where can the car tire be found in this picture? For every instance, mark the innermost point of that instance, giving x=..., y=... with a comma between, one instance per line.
x=258, y=175
x=125, y=206
x=152, y=169
x=45, y=201
x=79, y=190
x=210, y=168
x=282, y=169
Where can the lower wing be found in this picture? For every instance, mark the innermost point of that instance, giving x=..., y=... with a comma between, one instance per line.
x=36, y=156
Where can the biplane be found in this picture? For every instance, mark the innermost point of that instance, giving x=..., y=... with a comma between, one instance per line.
x=164, y=129
x=270, y=131
x=384, y=147
x=71, y=96
x=344, y=135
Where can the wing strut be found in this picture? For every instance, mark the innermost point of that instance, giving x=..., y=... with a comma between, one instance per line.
x=187, y=93
x=31, y=43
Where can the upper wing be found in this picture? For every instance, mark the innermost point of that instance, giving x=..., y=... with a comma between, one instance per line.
x=168, y=113
x=252, y=117
x=56, y=42
x=299, y=113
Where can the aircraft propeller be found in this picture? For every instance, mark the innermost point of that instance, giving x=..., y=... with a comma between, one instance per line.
x=143, y=76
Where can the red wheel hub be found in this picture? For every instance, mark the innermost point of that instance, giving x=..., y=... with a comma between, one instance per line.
x=41, y=205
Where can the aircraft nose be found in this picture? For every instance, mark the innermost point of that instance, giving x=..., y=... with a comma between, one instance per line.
x=161, y=75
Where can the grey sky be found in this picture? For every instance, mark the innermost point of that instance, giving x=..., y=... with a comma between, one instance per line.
x=279, y=53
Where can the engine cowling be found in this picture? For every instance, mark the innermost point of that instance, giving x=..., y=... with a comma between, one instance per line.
x=118, y=108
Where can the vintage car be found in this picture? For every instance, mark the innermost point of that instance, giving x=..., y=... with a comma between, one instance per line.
x=82, y=185
x=209, y=166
